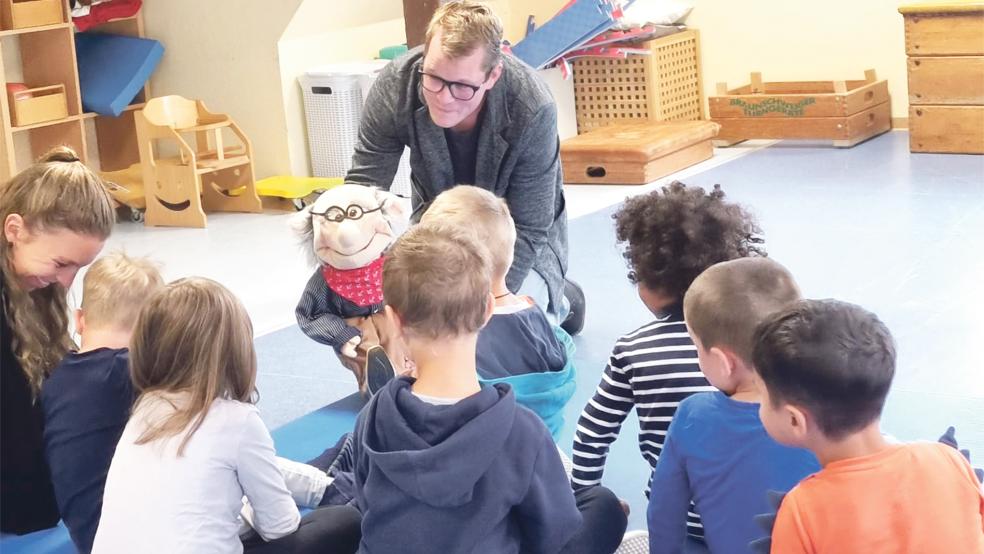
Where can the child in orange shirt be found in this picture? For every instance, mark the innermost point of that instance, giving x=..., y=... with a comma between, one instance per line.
x=826, y=367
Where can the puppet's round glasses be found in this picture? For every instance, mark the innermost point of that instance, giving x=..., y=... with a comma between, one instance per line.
x=337, y=214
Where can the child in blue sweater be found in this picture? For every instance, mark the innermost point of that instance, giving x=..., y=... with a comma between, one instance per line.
x=518, y=345
x=88, y=397
x=717, y=453
x=443, y=463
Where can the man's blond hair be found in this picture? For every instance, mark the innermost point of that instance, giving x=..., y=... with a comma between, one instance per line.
x=465, y=26
x=730, y=299
x=437, y=279
x=483, y=213
x=115, y=289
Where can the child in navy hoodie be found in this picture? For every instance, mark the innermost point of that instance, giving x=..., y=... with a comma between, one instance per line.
x=88, y=397
x=443, y=463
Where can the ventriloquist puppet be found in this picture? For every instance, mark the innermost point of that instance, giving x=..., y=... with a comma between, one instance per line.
x=347, y=232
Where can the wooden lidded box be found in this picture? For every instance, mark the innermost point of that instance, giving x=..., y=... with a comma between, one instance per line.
x=19, y=14
x=945, y=45
x=35, y=105
x=846, y=112
x=636, y=153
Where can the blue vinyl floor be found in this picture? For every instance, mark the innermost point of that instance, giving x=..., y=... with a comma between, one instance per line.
x=901, y=234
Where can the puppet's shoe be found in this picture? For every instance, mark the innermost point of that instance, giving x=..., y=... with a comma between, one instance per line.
x=379, y=370
x=574, y=321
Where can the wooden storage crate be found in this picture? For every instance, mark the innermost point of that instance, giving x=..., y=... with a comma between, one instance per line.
x=946, y=129
x=957, y=80
x=662, y=86
x=944, y=29
x=635, y=153
x=945, y=44
x=35, y=105
x=19, y=14
x=845, y=112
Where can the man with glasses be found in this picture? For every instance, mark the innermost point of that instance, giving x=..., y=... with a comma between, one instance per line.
x=472, y=115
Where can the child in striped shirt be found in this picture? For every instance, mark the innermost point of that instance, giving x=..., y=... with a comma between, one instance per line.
x=672, y=236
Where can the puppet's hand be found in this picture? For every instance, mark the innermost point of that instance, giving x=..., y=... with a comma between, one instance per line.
x=348, y=349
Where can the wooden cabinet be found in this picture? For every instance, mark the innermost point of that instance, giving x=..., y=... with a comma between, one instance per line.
x=945, y=45
x=44, y=56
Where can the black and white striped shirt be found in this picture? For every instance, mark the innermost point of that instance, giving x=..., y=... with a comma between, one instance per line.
x=652, y=369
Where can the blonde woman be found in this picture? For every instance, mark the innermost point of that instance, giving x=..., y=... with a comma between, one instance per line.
x=56, y=216
x=195, y=445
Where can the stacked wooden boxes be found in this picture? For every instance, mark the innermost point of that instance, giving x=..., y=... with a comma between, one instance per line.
x=945, y=45
x=845, y=112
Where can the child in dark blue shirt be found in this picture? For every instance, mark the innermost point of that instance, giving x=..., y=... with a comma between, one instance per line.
x=88, y=397
x=443, y=463
x=518, y=345
x=717, y=452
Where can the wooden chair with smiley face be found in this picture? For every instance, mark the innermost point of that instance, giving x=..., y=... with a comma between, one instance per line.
x=182, y=182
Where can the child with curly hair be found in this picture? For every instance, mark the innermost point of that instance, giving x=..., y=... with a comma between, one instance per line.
x=672, y=236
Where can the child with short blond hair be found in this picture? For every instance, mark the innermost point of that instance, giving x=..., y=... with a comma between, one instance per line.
x=518, y=345
x=826, y=367
x=717, y=454
x=443, y=463
x=87, y=399
x=195, y=444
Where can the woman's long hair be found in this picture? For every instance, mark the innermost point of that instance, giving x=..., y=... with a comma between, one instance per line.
x=56, y=193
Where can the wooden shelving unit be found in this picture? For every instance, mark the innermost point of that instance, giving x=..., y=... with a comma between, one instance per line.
x=46, y=57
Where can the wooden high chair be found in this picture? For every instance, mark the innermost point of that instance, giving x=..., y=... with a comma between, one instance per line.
x=180, y=188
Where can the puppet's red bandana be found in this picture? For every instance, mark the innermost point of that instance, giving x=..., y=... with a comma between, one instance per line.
x=363, y=286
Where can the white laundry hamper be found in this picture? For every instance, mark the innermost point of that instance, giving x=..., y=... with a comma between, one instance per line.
x=333, y=99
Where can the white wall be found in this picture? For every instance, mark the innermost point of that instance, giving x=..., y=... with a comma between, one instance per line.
x=315, y=17
x=786, y=41
x=225, y=53
x=801, y=41
x=242, y=57
x=344, y=36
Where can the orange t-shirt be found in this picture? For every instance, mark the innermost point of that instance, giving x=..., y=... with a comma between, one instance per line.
x=912, y=498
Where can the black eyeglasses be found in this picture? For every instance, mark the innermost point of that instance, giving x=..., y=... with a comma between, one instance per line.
x=459, y=91
x=337, y=214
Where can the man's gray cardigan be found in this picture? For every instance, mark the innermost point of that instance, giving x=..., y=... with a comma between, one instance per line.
x=518, y=158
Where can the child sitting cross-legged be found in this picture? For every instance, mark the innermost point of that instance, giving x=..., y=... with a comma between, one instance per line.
x=826, y=367
x=195, y=446
x=443, y=463
x=671, y=236
x=87, y=399
x=518, y=345
x=717, y=453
